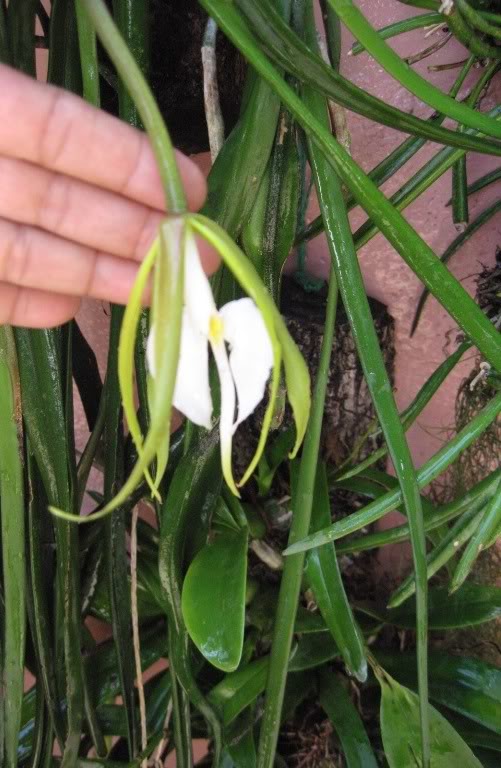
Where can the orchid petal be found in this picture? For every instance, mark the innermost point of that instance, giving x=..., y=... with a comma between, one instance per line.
x=192, y=395
x=150, y=352
x=198, y=297
x=228, y=402
x=251, y=353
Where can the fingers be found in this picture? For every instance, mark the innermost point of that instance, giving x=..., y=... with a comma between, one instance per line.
x=75, y=210
x=52, y=128
x=35, y=309
x=34, y=259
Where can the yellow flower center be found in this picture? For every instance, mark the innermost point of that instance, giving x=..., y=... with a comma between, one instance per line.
x=216, y=329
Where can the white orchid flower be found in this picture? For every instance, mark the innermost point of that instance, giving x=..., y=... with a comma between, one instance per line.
x=243, y=373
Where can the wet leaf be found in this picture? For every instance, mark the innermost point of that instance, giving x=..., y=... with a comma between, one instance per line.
x=213, y=599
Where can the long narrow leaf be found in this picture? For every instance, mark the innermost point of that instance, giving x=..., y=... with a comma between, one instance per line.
x=343, y=714
x=358, y=25
x=287, y=51
x=425, y=474
x=406, y=240
x=323, y=576
x=487, y=528
x=13, y=548
x=357, y=308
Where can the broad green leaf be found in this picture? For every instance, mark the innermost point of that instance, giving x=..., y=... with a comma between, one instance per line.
x=273, y=457
x=313, y=650
x=488, y=758
x=399, y=717
x=242, y=749
x=468, y=686
x=472, y=604
x=150, y=603
x=213, y=599
x=308, y=622
x=473, y=733
x=239, y=689
x=343, y=714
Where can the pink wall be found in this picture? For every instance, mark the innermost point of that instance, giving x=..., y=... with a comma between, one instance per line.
x=387, y=277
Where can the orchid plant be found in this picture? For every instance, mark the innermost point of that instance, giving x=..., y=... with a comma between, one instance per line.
x=250, y=598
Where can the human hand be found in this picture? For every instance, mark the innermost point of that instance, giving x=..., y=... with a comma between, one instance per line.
x=80, y=203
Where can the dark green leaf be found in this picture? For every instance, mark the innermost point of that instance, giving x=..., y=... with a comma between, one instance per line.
x=323, y=576
x=213, y=599
x=313, y=650
x=472, y=604
x=13, y=556
x=401, y=733
x=337, y=703
x=468, y=686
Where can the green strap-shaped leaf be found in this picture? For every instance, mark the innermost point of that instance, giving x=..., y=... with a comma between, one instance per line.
x=13, y=546
x=400, y=27
x=471, y=605
x=343, y=714
x=347, y=270
x=287, y=51
x=324, y=578
x=481, y=539
x=425, y=474
x=358, y=25
x=44, y=419
x=196, y=476
x=406, y=240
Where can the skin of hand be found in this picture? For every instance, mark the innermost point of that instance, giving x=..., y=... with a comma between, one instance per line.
x=80, y=203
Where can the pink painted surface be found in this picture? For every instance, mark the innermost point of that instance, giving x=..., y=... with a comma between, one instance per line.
x=387, y=277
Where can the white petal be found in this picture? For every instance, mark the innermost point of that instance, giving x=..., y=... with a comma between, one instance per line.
x=192, y=392
x=150, y=352
x=251, y=353
x=227, y=415
x=198, y=297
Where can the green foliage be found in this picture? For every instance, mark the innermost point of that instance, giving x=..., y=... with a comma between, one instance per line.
x=257, y=618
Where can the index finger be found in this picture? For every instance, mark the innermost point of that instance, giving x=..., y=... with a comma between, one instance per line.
x=59, y=131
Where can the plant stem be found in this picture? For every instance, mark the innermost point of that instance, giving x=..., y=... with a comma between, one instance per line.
x=293, y=569
x=143, y=98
